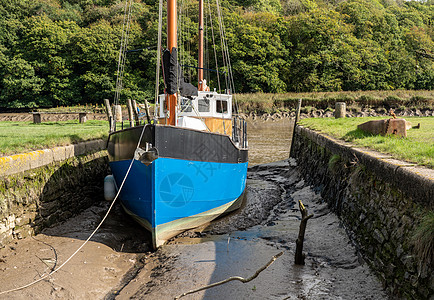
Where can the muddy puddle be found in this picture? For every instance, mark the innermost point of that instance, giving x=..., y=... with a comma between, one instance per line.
x=118, y=264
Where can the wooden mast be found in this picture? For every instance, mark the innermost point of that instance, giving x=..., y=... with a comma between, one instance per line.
x=200, y=51
x=172, y=43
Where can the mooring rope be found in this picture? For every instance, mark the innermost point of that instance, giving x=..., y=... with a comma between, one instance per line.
x=90, y=236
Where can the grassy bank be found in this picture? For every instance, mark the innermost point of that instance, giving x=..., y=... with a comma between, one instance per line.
x=418, y=147
x=269, y=103
x=18, y=137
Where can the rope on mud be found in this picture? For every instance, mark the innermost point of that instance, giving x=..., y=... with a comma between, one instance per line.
x=243, y=280
x=91, y=235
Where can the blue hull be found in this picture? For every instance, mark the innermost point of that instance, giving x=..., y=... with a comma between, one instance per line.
x=172, y=195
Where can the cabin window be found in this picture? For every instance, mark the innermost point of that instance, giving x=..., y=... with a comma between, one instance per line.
x=222, y=106
x=186, y=105
x=162, y=103
x=203, y=105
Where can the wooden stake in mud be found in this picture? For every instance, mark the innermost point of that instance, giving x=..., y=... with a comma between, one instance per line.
x=299, y=256
x=297, y=117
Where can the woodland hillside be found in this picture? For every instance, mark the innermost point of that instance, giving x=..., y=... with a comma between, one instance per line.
x=58, y=52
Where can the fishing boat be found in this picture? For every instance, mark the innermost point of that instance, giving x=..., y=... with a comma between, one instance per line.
x=189, y=165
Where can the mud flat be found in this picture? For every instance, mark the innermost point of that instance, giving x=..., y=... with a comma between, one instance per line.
x=117, y=263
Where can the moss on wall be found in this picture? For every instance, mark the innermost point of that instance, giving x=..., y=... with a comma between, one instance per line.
x=382, y=219
x=41, y=197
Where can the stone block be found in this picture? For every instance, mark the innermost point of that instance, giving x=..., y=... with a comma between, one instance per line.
x=35, y=159
x=69, y=151
x=6, y=166
x=340, y=109
x=79, y=149
x=385, y=233
x=59, y=154
x=390, y=269
x=102, y=144
x=47, y=156
x=383, y=127
x=408, y=262
x=399, y=251
x=378, y=236
x=92, y=146
x=19, y=163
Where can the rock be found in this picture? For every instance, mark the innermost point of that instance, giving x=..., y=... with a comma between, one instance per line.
x=408, y=261
x=378, y=236
x=399, y=251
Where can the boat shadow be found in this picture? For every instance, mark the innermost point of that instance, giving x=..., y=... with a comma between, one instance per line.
x=72, y=205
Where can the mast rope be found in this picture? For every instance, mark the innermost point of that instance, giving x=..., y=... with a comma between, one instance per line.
x=220, y=19
x=231, y=76
x=214, y=48
x=123, y=49
x=225, y=49
x=159, y=53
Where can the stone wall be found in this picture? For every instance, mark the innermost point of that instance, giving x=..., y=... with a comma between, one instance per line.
x=380, y=201
x=41, y=188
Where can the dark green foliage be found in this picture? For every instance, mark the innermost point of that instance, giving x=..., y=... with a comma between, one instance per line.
x=62, y=52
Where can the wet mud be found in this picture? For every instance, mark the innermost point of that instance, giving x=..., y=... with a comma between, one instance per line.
x=239, y=244
x=118, y=263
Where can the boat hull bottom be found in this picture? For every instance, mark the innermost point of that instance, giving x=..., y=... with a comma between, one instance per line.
x=163, y=232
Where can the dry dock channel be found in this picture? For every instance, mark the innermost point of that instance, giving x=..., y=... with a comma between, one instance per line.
x=117, y=263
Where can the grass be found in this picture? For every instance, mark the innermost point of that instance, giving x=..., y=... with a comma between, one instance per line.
x=417, y=147
x=19, y=137
x=269, y=103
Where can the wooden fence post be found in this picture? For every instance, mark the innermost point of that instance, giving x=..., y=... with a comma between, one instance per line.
x=109, y=113
x=297, y=117
x=130, y=112
x=135, y=112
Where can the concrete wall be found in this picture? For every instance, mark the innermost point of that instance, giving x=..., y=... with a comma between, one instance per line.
x=381, y=202
x=41, y=188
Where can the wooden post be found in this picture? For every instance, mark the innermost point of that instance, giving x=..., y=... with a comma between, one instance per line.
x=340, y=110
x=297, y=112
x=36, y=118
x=109, y=113
x=147, y=112
x=108, y=109
x=299, y=256
x=135, y=112
x=118, y=113
x=297, y=117
x=130, y=112
x=82, y=117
